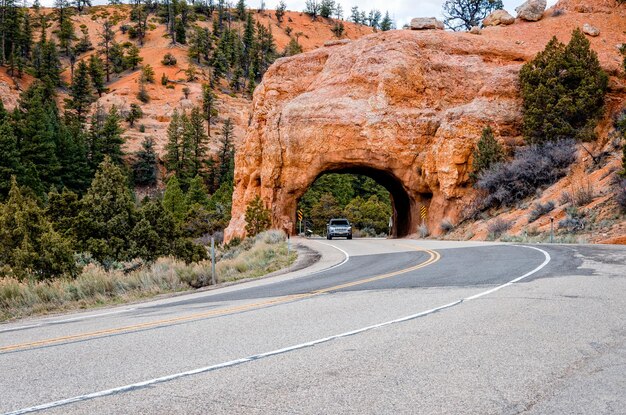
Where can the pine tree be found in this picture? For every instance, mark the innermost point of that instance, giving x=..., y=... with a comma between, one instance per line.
x=10, y=164
x=487, y=153
x=117, y=58
x=155, y=234
x=241, y=10
x=180, y=32
x=174, y=199
x=134, y=114
x=80, y=92
x=209, y=107
x=173, y=154
x=280, y=11
x=623, y=172
x=563, y=90
x=145, y=165
x=62, y=211
x=38, y=125
x=107, y=216
x=257, y=217
x=75, y=172
x=96, y=73
x=132, y=57
x=386, y=24
x=226, y=153
x=28, y=243
x=194, y=135
x=197, y=193
x=107, y=38
x=105, y=137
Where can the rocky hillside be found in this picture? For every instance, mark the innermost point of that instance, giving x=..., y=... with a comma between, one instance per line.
x=409, y=107
x=163, y=100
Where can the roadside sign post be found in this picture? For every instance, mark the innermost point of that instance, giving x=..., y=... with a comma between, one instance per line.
x=300, y=221
x=423, y=213
x=551, y=229
x=212, y=260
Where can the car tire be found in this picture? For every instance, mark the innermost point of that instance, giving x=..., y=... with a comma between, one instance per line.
x=349, y=236
x=329, y=237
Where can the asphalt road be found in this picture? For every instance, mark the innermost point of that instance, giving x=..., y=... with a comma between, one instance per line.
x=377, y=326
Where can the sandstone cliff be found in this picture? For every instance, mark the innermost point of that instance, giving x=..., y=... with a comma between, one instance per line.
x=404, y=107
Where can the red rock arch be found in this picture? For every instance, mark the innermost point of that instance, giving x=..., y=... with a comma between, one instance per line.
x=405, y=107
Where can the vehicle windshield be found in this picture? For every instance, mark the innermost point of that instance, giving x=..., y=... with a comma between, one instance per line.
x=340, y=222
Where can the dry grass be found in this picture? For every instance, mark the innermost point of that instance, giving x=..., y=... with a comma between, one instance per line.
x=95, y=286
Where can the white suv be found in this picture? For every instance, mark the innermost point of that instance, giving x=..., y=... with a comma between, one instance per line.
x=339, y=227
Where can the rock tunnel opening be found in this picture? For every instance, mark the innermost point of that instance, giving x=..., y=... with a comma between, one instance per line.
x=395, y=197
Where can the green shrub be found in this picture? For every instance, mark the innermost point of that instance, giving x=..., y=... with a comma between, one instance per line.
x=487, y=153
x=168, y=60
x=563, y=90
x=257, y=217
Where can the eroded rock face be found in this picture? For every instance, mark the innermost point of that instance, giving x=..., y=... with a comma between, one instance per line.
x=404, y=107
x=532, y=10
x=426, y=23
x=499, y=17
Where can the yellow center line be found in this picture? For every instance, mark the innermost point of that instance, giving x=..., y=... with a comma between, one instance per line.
x=433, y=257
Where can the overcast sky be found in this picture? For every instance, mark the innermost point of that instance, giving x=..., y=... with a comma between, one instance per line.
x=402, y=11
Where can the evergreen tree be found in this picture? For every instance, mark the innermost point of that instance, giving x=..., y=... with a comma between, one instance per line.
x=105, y=138
x=155, y=234
x=487, y=153
x=241, y=10
x=28, y=243
x=386, y=24
x=107, y=38
x=293, y=47
x=226, y=153
x=96, y=73
x=327, y=8
x=80, y=92
x=173, y=156
x=180, y=32
x=10, y=164
x=47, y=64
x=563, y=90
x=280, y=11
x=196, y=138
x=174, y=199
x=37, y=124
x=257, y=217
x=107, y=216
x=62, y=211
x=132, y=57
x=209, y=107
x=134, y=114
x=145, y=165
x=117, y=58
x=75, y=172
x=197, y=193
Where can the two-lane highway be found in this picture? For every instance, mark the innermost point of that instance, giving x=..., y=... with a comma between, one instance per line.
x=394, y=326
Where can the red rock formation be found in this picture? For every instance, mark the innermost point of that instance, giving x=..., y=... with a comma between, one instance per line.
x=404, y=107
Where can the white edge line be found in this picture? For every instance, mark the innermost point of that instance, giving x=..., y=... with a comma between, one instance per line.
x=230, y=363
x=67, y=320
x=346, y=259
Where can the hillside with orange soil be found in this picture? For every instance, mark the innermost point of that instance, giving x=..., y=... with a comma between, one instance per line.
x=123, y=88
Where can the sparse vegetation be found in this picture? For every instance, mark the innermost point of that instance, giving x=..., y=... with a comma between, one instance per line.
x=574, y=221
x=530, y=169
x=487, y=153
x=446, y=226
x=168, y=60
x=621, y=195
x=540, y=209
x=497, y=227
x=136, y=279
